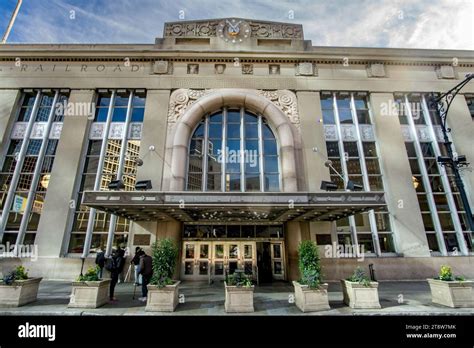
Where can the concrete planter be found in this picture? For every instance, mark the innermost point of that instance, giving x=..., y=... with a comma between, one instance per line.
x=452, y=293
x=19, y=293
x=239, y=299
x=357, y=295
x=311, y=300
x=89, y=294
x=162, y=299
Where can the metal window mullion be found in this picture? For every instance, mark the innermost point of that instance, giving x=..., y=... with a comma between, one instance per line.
x=425, y=178
x=260, y=154
x=119, y=174
x=98, y=177
x=342, y=157
x=19, y=164
x=365, y=177
x=242, y=154
x=223, y=150
x=205, y=152
x=37, y=172
x=445, y=181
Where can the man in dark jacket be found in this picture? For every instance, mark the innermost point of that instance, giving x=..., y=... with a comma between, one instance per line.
x=114, y=265
x=136, y=264
x=146, y=270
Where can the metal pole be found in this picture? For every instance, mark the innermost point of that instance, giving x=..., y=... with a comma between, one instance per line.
x=12, y=20
x=442, y=104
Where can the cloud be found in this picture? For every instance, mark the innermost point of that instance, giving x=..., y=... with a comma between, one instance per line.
x=442, y=24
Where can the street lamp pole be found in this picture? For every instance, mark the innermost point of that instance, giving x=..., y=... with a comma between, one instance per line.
x=453, y=160
x=12, y=20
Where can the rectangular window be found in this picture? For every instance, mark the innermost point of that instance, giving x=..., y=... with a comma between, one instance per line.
x=24, y=180
x=113, y=159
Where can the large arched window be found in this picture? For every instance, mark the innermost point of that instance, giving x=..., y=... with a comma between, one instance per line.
x=242, y=154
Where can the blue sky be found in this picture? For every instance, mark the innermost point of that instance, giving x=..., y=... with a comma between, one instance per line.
x=442, y=24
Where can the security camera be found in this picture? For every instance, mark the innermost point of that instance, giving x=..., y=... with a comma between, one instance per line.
x=138, y=162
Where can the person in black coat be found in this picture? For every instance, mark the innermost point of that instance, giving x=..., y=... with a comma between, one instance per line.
x=115, y=266
x=146, y=270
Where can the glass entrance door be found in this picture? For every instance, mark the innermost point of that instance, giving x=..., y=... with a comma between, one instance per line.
x=215, y=259
x=196, y=260
x=277, y=260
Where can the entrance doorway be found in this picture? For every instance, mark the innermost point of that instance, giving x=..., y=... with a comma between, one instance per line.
x=270, y=261
x=212, y=260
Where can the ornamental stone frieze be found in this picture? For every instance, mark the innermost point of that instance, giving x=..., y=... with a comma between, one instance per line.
x=182, y=99
x=258, y=29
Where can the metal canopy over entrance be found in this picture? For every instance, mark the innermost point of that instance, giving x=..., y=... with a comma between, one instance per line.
x=251, y=207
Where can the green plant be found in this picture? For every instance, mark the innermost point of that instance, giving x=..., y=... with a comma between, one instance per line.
x=239, y=279
x=360, y=277
x=446, y=274
x=92, y=275
x=164, y=254
x=19, y=273
x=309, y=264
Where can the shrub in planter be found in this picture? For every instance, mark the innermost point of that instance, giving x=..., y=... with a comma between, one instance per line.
x=451, y=291
x=239, y=293
x=310, y=292
x=89, y=291
x=163, y=290
x=17, y=289
x=359, y=291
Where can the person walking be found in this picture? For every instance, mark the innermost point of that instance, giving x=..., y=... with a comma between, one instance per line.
x=100, y=260
x=146, y=270
x=114, y=265
x=136, y=264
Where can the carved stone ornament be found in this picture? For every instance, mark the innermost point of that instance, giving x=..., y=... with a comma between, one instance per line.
x=271, y=30
x=182, y=98
x=193, y=69
x=219, y=68
x=247, y=69
x=286, y=101
x=376, y=70
x=274, y=69
x=306, y=69
x=162, y=67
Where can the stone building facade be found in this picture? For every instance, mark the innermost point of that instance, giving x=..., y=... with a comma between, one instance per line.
x=188, y=112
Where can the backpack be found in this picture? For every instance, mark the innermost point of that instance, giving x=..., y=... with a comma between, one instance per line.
x=110, y=265
x=100, y=259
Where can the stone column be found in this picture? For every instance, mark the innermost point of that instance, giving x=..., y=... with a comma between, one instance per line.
x=462, y=129
x=312, y=134
x=53, y=229
x=294, y=234
x=9, y=99
x=171, y=230
x=154, y=134
x=407, y=224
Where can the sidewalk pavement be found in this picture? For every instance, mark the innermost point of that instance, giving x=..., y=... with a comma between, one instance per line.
x=396, y=298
